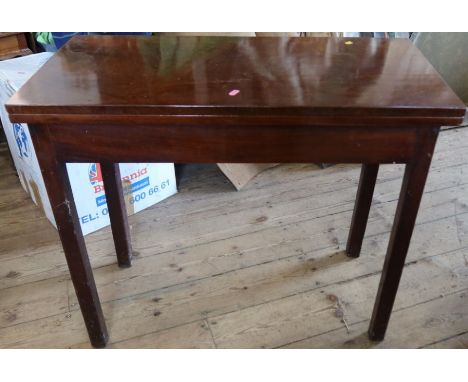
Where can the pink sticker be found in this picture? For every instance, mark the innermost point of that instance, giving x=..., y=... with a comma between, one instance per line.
x=234, y=92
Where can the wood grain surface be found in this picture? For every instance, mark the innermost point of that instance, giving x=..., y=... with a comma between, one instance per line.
x=177, y=76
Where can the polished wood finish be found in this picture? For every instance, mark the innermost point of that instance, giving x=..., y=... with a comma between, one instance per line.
x=361, y=209
x=235, y=144
x=127, y=79
x=412, y=189
x=63, y=206
x=117, y=212
x=134, y=99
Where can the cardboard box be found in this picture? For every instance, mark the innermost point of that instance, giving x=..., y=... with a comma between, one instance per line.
x=144, y=184
x=241, y=173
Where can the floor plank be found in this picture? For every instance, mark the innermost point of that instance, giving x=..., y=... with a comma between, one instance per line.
x=306, y=315
x=459, y=341
x=425, y=323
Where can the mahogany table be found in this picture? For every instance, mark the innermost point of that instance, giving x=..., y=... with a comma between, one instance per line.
x=111, y=99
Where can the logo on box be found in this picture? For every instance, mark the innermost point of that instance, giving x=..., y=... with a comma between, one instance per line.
x=131, y=184
x=21, y=140
x=95, y=177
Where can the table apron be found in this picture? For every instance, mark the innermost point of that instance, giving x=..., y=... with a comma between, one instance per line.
x=236, y=144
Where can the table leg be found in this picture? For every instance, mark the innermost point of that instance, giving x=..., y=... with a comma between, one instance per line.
x=361, y=209
x=58, y=187
x=117, y=213
x=408, y=204
x=63, y=206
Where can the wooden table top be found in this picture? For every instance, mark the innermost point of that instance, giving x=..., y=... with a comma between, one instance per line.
x=213, y=76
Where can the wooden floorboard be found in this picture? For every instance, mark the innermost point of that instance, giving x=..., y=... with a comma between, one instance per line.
x=263, y=267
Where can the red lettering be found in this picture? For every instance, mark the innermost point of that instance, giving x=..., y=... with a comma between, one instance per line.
x=135, y=175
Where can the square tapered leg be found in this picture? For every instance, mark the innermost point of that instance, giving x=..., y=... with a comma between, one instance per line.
x=361, y=209
x=60, y=194
x=411, y=193
x=117, y=213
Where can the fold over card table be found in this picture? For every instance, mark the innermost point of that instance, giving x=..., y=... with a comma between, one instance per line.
x=110, y=99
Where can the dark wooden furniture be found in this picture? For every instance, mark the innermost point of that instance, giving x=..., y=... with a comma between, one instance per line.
x=186, y=99
x=14, y=44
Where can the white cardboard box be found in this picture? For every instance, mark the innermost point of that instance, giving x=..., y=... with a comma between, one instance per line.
x=144, y=184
